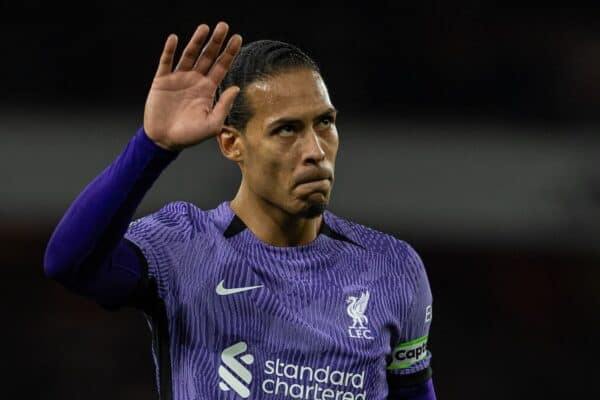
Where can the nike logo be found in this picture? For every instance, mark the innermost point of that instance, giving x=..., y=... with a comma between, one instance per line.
x=222, y=291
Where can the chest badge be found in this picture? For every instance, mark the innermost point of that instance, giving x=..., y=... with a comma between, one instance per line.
x=357, y=306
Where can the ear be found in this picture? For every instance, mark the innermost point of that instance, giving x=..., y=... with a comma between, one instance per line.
x=230, y=143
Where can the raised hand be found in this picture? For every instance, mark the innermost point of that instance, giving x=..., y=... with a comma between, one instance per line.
x=179, y=110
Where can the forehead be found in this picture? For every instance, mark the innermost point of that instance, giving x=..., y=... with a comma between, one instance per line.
x=291, y=94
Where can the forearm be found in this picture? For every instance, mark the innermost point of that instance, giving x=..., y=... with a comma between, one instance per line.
x=94, y=224
x=423, y=391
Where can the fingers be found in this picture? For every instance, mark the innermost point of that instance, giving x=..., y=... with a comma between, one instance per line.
x=205, y=63
x=191, y=51
x=223, y=106
x=165, y=65
x=212, y=48
x=221, y=66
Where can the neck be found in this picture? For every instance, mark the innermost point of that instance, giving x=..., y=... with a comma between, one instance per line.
x=271, y=224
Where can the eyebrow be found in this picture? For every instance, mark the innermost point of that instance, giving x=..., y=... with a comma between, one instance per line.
x=286, y=120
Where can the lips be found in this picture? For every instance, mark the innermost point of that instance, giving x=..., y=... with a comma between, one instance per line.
x=313, y=176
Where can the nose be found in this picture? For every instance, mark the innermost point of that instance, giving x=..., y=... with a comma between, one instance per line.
x=313, y=150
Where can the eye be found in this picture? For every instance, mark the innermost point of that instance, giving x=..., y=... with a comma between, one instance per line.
x=326, y=122
x=286, y=130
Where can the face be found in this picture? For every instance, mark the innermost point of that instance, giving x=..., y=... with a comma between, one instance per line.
x=290, y=143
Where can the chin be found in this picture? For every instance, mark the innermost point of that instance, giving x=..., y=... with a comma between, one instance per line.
x=313, y=210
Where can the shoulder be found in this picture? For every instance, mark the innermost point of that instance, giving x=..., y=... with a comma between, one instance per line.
x=177, y=219
x=374, y=240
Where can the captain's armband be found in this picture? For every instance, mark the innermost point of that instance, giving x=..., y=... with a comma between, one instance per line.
x=409, y=353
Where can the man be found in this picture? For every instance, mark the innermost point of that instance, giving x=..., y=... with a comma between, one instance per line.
x=267, y=296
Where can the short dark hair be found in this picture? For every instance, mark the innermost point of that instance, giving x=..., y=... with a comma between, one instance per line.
x=258, y=60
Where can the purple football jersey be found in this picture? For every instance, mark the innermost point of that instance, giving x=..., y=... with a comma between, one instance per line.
x=238, y=318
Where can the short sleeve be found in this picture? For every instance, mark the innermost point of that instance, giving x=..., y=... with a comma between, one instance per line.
x=410, y=354
x=161, y=237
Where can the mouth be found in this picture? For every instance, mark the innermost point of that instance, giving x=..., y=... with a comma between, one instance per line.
x=314, y=190
x=319, y=178
x=314, y=181
x=316, y=184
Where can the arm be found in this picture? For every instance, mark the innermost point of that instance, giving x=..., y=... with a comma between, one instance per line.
x=87, y=252
x=409, y=373
x=421, y=391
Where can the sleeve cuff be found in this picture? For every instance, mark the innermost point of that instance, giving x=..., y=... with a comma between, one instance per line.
x=145, y=141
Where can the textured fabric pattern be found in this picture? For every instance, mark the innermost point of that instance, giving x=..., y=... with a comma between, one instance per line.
x=321, y=325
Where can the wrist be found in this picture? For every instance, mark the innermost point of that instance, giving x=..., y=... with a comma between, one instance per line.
x=156, y=145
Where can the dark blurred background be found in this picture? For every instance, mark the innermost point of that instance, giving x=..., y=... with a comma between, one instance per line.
x=468, y=128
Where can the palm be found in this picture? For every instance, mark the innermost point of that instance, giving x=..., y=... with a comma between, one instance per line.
x=180, y=104
x=179, y=109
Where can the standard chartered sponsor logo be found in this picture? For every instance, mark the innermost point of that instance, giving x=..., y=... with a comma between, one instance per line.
x=288, y=380
x=304, y=382
x=229, y=380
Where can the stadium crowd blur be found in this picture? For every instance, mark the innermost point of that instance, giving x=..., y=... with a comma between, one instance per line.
x=511, y=321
